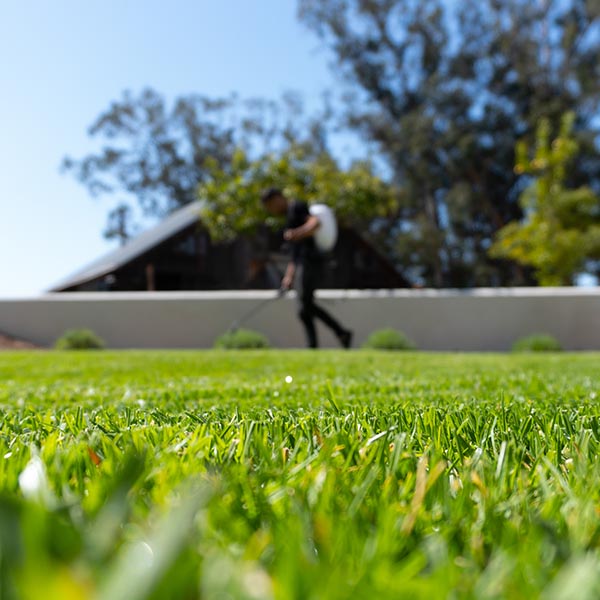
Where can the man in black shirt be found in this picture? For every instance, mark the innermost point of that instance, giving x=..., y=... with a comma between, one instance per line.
x=306, y=264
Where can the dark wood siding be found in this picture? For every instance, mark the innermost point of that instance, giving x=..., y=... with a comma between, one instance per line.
x=191, y=261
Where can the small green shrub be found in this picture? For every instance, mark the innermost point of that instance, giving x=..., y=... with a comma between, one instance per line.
x=388, y=339
x=242, y=339
x=79, y=339
x=538, y=342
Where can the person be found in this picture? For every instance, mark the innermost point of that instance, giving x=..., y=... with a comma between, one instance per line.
x=306, y=264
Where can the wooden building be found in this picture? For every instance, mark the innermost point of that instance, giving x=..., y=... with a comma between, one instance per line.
x=178, y=254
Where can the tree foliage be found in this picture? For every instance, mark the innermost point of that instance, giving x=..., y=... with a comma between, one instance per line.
x=119, y=225
x=445, y=90
x=231, y=194
x=157, y=152
x=441, y=90
x=561, y=228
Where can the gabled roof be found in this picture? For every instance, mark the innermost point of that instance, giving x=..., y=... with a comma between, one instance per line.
x=167, y=228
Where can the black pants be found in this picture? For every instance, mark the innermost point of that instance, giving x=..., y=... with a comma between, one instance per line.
x=307, y=280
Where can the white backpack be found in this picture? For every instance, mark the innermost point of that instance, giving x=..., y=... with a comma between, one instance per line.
x=327, y=234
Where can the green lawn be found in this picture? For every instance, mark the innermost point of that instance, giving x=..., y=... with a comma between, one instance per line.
x=176, y=475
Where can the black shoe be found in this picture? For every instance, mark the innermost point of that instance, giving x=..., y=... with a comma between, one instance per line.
x=346, y=338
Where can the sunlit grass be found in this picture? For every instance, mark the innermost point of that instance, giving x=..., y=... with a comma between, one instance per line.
x=210, y=475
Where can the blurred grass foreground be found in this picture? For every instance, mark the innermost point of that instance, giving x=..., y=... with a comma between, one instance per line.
x=267, y=475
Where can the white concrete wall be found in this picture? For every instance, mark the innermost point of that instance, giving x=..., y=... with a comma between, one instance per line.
x=474, y=320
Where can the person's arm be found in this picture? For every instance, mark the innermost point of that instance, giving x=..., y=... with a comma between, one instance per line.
x=288, y=279
x=304, y=231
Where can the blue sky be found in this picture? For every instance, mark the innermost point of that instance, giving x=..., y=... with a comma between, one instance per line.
x=63, y=61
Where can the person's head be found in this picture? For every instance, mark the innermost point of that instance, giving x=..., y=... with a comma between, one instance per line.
x=274, y=201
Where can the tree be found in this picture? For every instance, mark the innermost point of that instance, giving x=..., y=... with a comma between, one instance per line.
x=561, y=228
x=444, y=90
x=119, y=224
x=157, y=153
x=231, y=194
